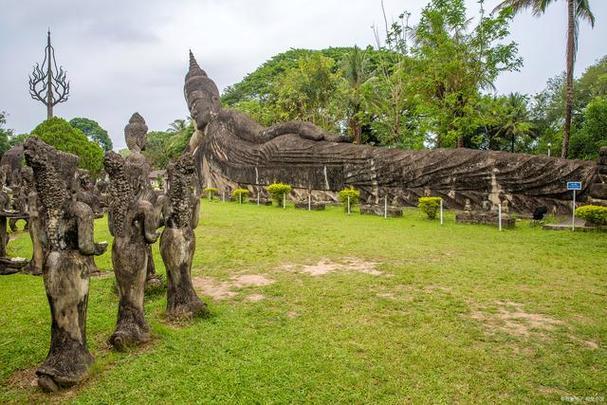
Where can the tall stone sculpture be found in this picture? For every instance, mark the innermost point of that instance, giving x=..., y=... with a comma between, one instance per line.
x=133, y=223
x=135, y=134
x=233, y=150
x=177, y=241
x=66, y=228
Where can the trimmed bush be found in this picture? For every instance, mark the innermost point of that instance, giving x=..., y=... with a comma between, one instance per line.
x=278, y=191
x=429, y=206
x=240, y=194
x=58, y=133
x=351, y=192
x=593, y=214
x=210, y=192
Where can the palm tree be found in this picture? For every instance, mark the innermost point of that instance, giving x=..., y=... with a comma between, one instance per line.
x=516, y=121
x=178, y=125
x=576, y=10
x=356, y=72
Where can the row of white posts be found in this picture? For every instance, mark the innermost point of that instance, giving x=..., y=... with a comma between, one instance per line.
x=442, y=216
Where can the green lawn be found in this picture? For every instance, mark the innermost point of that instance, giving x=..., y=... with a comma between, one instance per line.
x=452, y=313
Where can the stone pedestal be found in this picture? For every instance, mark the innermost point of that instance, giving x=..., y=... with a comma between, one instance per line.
x=380, y=210
x=484, y=218
x=314, y=206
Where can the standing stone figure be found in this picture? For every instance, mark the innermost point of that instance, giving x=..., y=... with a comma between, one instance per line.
x=133, y=224
x=33, y=223
x=177, y=242
x=66, y=228
x=135, y=134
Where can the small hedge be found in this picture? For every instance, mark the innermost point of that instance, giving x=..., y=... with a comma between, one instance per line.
x=210, y=192
x=429, y=206
x=278, y=191
x=351, y=192
x=593, y=214
x=240, y=194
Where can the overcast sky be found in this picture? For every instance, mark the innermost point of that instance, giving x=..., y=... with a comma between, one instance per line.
x=131, y=55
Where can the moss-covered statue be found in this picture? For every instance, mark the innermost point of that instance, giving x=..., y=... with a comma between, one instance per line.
x=177, y=241
x=135, y=135
x=66, y=237
x=133, y=223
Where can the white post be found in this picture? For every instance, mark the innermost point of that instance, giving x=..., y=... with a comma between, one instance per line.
x=257, y=197
x=348, y=205
x=309, y=201
x=573, y=213
x=441, y=211
x=223, y=196
x=386, y=207
x=284, y=200
x=240, y=198
x=499, y=215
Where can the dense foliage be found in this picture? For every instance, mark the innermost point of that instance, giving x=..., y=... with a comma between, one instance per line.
x=278, y=192
x=429, y=206
x=5, y=133
x=59, y=133
x=162, y=146
x=425, y=86
x=349, y=195
x=93, y=131
x=593, y=214
x=240, y=195
x=210, y=192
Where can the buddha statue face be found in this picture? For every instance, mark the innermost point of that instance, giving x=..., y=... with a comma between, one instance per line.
x=201, y=94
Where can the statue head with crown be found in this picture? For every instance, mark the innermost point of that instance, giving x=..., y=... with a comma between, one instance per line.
x=201, y=94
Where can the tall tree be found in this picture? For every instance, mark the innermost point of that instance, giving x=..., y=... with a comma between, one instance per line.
x=355, y=71
x=93, y=131
x=576, y=10
x=515, y=123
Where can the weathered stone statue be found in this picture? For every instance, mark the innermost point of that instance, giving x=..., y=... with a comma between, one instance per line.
x=135, y=134
x=67, y=239
x=231, y=149
x=133, y=223
x=34, y=225
x=177, y=242
x=87, y=192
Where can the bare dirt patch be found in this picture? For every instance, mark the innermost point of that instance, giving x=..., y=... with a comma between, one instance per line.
x=326, y=266
x=25, y=378
x=511, y=318
x=255, y=297
x=219, y=290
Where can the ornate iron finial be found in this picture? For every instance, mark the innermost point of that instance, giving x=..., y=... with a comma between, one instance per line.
x=49, y=86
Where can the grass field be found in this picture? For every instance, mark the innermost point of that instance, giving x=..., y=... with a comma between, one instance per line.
x=323, y=307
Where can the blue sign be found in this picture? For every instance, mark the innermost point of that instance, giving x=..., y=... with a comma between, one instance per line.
x=574, y=185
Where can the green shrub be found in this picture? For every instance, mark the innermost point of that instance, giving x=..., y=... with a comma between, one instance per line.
x=240, y=194
x=278, y=191
x=351, y=192
x=58, y=133
x=210, y=192
x=593, y=214
x=429, y=206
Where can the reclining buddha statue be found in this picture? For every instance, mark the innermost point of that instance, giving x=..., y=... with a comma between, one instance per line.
x=232, y=150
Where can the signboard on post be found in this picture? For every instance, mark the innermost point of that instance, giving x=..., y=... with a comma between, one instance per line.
x=573, y=186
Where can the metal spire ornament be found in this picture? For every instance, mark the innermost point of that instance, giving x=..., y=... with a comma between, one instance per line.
x=48, y=83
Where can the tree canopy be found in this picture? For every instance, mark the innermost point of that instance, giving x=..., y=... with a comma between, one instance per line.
x=93, y=132
x=58, y=133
